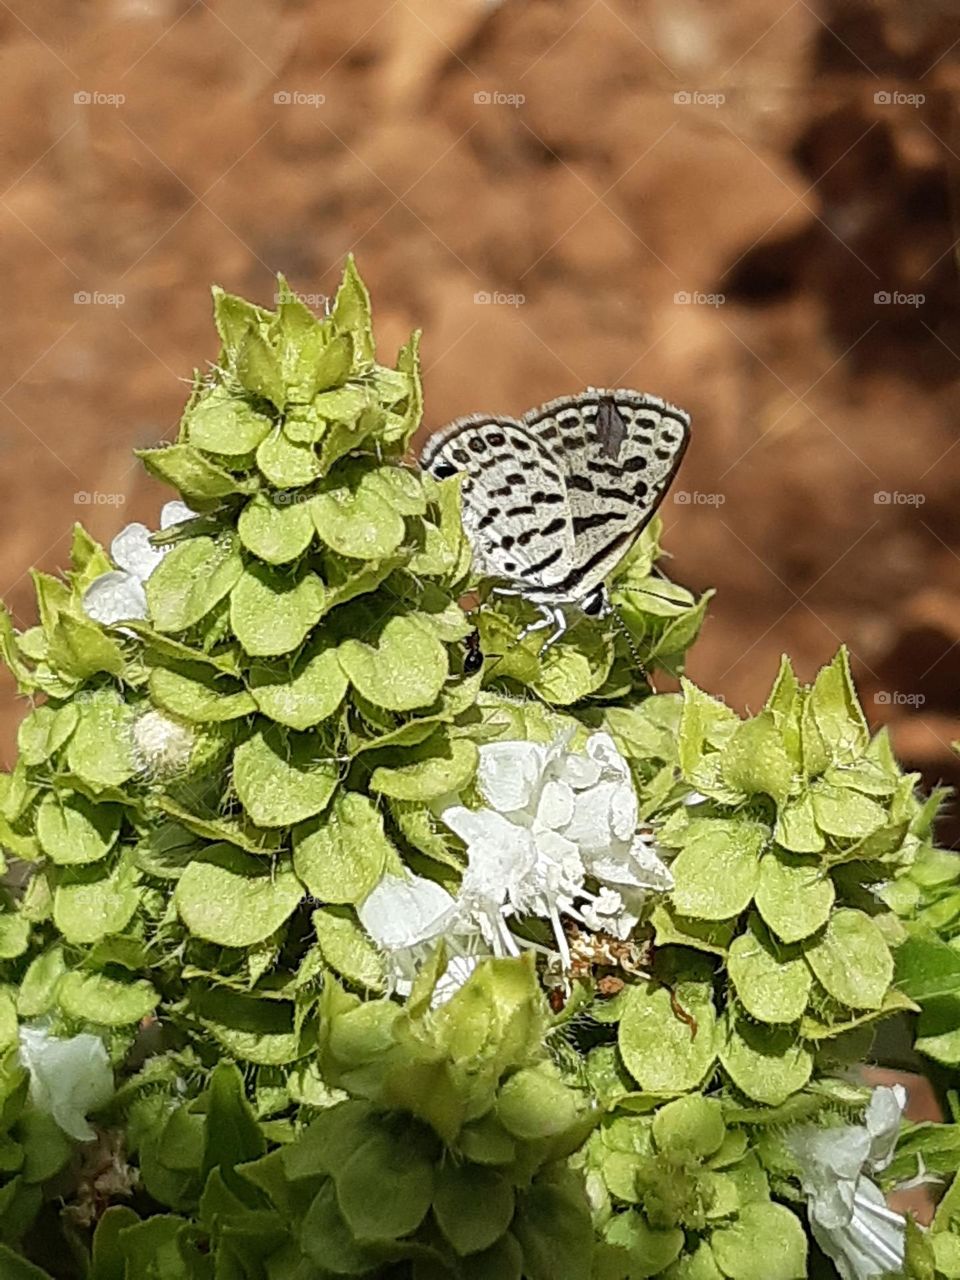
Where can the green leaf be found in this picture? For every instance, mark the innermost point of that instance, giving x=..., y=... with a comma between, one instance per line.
x=352, y=518
x=81, y=648
x=38, y=988
x=340, y=856
x=692, y=1125
x=305, y=694
x=347, y=949
x=718, y=869
x=252, y=1029
x=199, y=694
x=755, y=761
x=834, y=728
x=191, y=580
x=16, y=1267
x=351, y=311
x=555, y=1233
x=852, y=960
x=282, y=778
x=536, y=1103
x=640, y=1250
x=234, y=900
x=767, y=1242
x=436, y=767
x=100, y=752
x=794, y=895
x=773, y=986
x=703, y=721
x=277, y=529
x=927, y=967
x=327, y=1240
x=44, y=731
x=14, y=934
x=846, y=813
x=768, y=1064
x=473, y=1206
x=95, y=902
x=385, y=1187
x=797, y=828
x=95, y=998
x=108, y=1262
x=221, y=422
x=272, y=613
x=406, y=669
x=231, y=1133
x=287, y=464
x=73, y=830
x=184, y=467
x=661, y=1051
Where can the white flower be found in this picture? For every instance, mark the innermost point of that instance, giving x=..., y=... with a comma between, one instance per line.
x=406, y=916
x=848, y=1214
x=119, y=594
x=68, y=1078
x=555, y=818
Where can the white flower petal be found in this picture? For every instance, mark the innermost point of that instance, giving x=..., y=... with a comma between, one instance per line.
x=114, y=597
x=595, y=812
x=556, y=805
x=883, y=1123
x=602, y=748
x=175, y=513
x=68, y=1078
x=453, y=977
x=871, y=1243
x=133, y=551
x=402, y=911
x=509, y=774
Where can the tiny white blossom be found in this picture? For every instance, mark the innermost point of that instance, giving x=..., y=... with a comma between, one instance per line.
x=848, y=1215
x=161, y=745
x=119, y=594
x=68, y=1078
x=406, y=916
x=554, y=818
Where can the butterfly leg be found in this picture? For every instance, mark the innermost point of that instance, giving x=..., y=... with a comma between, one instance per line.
x=549, y=618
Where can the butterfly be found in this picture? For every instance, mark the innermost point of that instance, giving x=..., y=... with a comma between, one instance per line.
x=554, y=500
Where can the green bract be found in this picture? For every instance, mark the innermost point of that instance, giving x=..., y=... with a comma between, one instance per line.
x=206, y=797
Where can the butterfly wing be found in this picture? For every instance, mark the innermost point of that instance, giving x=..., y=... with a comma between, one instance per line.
x=515, y=503
x=618, y=451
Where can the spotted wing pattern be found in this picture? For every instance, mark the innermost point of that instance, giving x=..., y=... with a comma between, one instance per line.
x=553, y=501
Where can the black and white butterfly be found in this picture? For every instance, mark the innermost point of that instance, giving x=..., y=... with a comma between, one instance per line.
x=554, y=500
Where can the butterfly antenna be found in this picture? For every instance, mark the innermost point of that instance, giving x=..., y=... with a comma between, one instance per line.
x=624, y=630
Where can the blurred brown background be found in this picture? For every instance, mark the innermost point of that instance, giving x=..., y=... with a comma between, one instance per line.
x=749, y=209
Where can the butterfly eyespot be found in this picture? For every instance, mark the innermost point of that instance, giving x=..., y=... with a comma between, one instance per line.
x=443, y=470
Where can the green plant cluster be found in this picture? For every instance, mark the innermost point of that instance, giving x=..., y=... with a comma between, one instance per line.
x=204, y=797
